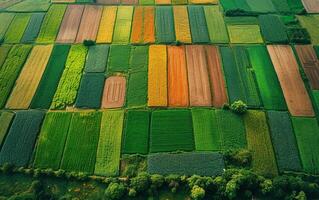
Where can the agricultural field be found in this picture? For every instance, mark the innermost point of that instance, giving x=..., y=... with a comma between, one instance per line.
x=160, y=99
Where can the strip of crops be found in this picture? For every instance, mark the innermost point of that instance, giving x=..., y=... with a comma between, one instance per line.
x=51, y=76
x=97, y=58
x=17, y=28
x=198, y=24
x=18, y=145
x=123, y=22
x=203, y=164
x=203, y=1
x=181, y=22
x=311, y=23
x=259, y=142
x=157, y=76
x=10, y=70
x=109, y=147
x=5, y=20
x=143, y=29
x=136, y=133
x=307, y=134
x=284, y=141
x=5, y=122
x=4, y=51
x=69, y=83
x=139, y=58
x=30, y=6
x=137, y=89
x=171, y=130
x=52, y=140
x=90, y=91
x=119, y=58
x=114, y=92
x=267, y=80
x=164, y=24
x=81, y=143
x=206, y=134
x=162, y=2
x=30, y=76
x=261, y=6
x=51, y=23
x=33, y=28
x=105, y=33
x=216, y=25
x=273, y=29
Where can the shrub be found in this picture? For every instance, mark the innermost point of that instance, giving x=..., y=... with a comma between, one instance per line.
x=197, y=193
x=298, y=35
x=115, y=191
x=88, y=43
x=238, y=107
x=239, y=12
x=157, y=181
x=238, y=158
x=7, y=168
x=203, y=182
x=141, y=182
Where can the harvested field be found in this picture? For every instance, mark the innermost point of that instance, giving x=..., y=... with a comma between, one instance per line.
x=157, y=76
x=215, y=25
x=70, y=24
x=198, y=24
x=240, y=34
x=5, y=122
x=143, y=30
x=114, y=92
x=18, y=146
x=90, y=91
x=5, y=20
x=311, y=23
x=294, y=90
x=137, y=90
x=186, y=164
x=284, y=141
x=66, y=91
x=89, y=23
x=164, y=24
x=198, y=80
x=81, y=143
x=171, y=130
x=181, y=23
x=105, y=33
x=123, y=23
x=97, y=58
x=4, y=51
x=52, y=139
x=119, y=58
x=10, y=70
x=312, y=6
x=17, y=28
x=51, y=23
x=216, y=75
x=33, y=28
x=273, y=29
x=109, y=147
x=136, y=134
x=29, y=79
x=307, y=134
x=139, y=58
x=51, y=76
x=310, y=64
x=259, y=142
x=177, y=84
x=266, y=77
x=206, y=135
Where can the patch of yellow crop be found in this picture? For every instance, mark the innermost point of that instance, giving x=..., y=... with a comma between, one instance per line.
x=105, y=33
x=181, y=22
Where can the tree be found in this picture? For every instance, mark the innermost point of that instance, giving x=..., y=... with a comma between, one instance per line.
x=197, y=193
x=115, y=191
x=238, y=107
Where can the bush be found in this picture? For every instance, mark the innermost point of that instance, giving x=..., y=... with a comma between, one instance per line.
x=115, y=191
x=203, y=182
x=141, y=182
x=7, y=168
x=238, y=158
x=157, y=181
x=88, y=43
x=238, y=107
x=298, y=35
x=197, y=193
x=239, y=12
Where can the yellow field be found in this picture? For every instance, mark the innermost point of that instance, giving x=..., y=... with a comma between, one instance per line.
x=105, y=33
x=181, y=22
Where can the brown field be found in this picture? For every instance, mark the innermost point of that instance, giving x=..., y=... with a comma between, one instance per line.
x=310, y=64
x=129, y=2
x=163, y=2
x=177, y=77
x=114, y=92
x=312, y=6
x=198, y=80
x=294, y=90
x=143, y=30
x=108, y=1
x=217, y=81
x=88, y=29
x=70, y=24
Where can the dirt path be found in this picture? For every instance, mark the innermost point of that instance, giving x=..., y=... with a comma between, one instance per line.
x=114, y=92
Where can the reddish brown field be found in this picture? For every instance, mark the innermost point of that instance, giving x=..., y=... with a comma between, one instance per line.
x=143, y=25
x=198, y=80
x=114, y=92
x=294, y=90
x=70, y=24
x=90, y=23
x=177, y=77
x=129, y=2
x=108, y=1
x=312, y=6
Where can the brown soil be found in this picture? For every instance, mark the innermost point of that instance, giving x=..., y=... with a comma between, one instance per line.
x=115, y=2
x=312, y=6
x=114, y=92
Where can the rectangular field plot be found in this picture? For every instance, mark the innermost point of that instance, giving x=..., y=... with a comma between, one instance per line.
x=181, y=23
x=139, y=58
x=311, y=23
x=31, y=32
x=97, y=58
x=216, y=25
x=123, y=23
x=312, y=6
x=52, y=139
x=273, y=29
x=137, y=90
x=143, y=30
x=164, y=24
x=259, y=142
x=109, y=146
x=4, y=51
x=105, y=33
x=5, y=122
x=18, y=146
x=5, y=21
x=119, y=58
x=17, y=28
x=81, y=143
x=307, y=134
x=114, y=92
x=203, y=164
x=284, y=141
x=171, y=130
x=136, y=134
x=294, y=90
x=198, y=24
